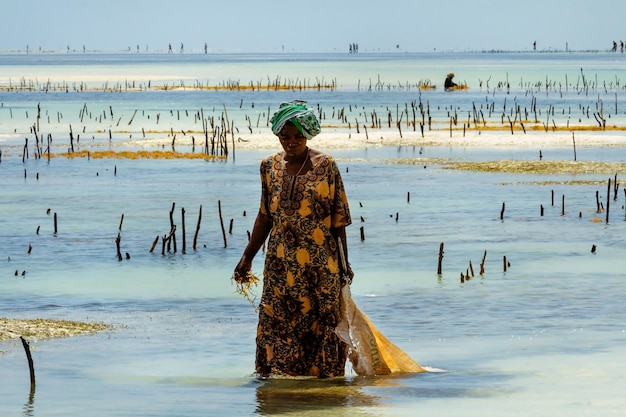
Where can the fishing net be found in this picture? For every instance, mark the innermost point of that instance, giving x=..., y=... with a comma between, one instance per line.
x=371, y=353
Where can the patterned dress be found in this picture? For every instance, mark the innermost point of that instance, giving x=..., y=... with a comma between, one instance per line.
x=299, y=307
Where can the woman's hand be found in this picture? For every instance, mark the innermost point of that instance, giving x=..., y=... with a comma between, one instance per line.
x=262, y=227
x=243, y=267
x=347, y=275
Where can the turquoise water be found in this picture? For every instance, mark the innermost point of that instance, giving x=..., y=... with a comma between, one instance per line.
x=545, y=337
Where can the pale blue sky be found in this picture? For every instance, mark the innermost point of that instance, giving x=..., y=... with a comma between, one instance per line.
x=310, y=26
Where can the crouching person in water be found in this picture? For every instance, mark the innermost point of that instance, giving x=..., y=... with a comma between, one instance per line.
x=449, y=84
x=303, y=209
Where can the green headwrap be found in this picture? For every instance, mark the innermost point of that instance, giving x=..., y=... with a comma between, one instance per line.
x=300, y=115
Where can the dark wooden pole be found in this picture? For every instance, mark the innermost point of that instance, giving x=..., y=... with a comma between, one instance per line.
x=219, y=210
x=172, y=236
x=440, y=258
x=195, y=236
x=608, y=199
x=482, y=263
x=154, y=243
x=118, y=240
x=31, y=367
x=184, y=238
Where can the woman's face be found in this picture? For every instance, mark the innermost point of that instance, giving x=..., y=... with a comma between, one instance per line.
x=292, y=141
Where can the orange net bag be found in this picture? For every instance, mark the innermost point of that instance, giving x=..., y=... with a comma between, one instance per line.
x=371, y=353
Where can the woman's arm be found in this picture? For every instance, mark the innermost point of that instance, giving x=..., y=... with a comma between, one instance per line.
x=262, y=227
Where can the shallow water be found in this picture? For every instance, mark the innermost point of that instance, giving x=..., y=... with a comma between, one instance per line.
x=548, y=327
x=545, y=337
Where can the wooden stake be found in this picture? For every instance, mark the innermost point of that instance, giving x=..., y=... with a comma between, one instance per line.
x=31, y=367
x=608, y=199
x=219, y=209
x=182, y=213
x=440, y=258
x=195, y=236
x=118, y=239
x=172, y=235
x=154, y=243
x=482, y=263
x=132, y=118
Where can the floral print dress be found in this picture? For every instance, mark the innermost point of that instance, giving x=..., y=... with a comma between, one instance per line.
x=299, y=306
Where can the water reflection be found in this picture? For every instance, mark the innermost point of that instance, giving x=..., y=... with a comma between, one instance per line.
x=29, y=406
x=336, y=397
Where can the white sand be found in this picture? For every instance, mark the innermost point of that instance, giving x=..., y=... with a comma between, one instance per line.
x=341, y=139
x=345, y=138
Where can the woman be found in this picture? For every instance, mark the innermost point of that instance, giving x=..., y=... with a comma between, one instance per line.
x=448, y=83
x=304, y=210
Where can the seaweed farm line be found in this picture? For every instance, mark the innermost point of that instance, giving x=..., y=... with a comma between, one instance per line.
x=217, y=116
x=215, y=133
